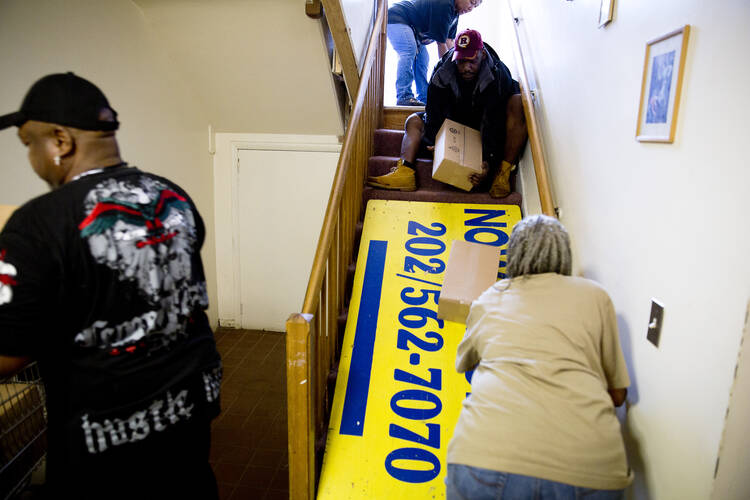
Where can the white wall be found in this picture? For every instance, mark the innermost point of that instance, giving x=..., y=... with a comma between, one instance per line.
x=164, y=129
x=655, y=220
x=359, y=15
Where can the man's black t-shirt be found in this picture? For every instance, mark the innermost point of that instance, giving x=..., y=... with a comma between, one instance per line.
x=101, y=281
x=432, y=20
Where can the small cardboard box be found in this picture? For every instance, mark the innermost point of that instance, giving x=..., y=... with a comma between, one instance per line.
x=5, y=212
x=472, y=269
x=458, y=154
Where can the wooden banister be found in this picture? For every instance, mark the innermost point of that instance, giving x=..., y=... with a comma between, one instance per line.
x=334, y=13
x=313, y=335
x=300, y=418
x=313, y=9
x=344, y=164
x=535, y=137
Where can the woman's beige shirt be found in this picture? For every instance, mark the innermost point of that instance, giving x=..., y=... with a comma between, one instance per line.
x=548, y=350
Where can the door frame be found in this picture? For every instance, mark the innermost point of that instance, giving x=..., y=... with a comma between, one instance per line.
x=226, y=196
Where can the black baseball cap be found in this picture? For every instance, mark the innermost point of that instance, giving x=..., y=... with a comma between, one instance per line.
x=65, y=99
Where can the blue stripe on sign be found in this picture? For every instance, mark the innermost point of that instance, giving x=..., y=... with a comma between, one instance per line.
x=358, y=385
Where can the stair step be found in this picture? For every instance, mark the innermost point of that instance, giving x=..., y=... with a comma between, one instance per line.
x=442, y=196
x=388, y=143
x=380, y=165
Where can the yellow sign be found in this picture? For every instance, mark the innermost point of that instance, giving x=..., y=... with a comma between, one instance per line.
x=398, y=395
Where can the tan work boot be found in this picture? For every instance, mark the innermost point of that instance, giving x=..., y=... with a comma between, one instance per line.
x=400, y=178
x=501, y=184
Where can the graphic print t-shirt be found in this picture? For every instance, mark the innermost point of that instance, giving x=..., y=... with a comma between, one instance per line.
x=101, y=281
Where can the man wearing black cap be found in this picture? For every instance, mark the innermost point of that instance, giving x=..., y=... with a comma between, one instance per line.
x=472, y=86
x=108, y=295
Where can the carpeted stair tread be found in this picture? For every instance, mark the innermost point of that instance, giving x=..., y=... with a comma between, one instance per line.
x=388, y=142
x=442, y=196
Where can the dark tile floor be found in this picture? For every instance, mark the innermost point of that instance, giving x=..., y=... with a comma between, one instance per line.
x=249, y=438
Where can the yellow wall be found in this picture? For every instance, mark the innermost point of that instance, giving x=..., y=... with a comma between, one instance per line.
x=656, y=220
x=259, y=66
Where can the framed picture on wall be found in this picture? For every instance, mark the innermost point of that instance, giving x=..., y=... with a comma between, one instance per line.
x=606, y=11
x=661, y=86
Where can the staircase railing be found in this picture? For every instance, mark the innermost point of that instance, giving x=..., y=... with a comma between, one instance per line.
x=312, y=338
x=535, y=136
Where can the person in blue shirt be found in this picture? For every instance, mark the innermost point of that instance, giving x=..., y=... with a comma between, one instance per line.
x=414, y=24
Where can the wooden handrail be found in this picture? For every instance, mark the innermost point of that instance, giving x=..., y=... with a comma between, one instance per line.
x=342, y=169
x=313, y=336
x=342, y=41
x=535, y=136
x=313, y=9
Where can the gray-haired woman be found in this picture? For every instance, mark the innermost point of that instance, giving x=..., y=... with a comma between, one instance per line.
x=540, y=421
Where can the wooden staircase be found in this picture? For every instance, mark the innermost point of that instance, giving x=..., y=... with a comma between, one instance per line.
x=371, y=147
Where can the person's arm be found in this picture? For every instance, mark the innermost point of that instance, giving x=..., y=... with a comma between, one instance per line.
x=467, y=356
x=613, y=361
x=492, y=128
x=29, y=289
x=618, y=395
x=444, y=47
x=11, y=365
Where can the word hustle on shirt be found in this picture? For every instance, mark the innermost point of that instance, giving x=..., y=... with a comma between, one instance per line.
x=157, y=417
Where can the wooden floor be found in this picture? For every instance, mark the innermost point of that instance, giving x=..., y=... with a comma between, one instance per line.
x=249, y=438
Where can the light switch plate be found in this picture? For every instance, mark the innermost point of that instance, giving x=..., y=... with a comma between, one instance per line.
x=654, y=322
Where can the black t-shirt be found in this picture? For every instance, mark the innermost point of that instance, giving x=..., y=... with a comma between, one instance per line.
x=101, y=281
x=432, y=20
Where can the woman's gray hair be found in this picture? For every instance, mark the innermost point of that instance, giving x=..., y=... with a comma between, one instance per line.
x=538, y=244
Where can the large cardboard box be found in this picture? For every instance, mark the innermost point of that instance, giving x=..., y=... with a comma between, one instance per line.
x=472, y=269
x=458, y=154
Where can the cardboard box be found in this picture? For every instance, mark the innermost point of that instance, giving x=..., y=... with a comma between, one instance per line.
x=5, y=212
x=472, y=269
x=458, y=154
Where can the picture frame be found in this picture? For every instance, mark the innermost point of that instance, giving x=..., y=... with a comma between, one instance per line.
x=606, y=11
x=661, y=86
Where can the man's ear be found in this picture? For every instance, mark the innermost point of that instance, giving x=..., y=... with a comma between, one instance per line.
x=64, y=140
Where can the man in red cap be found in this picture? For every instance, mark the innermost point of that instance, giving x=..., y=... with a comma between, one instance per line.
x=472, y=86
x=106, y=292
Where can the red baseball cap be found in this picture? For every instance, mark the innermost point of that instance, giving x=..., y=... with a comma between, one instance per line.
x=468, y=45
